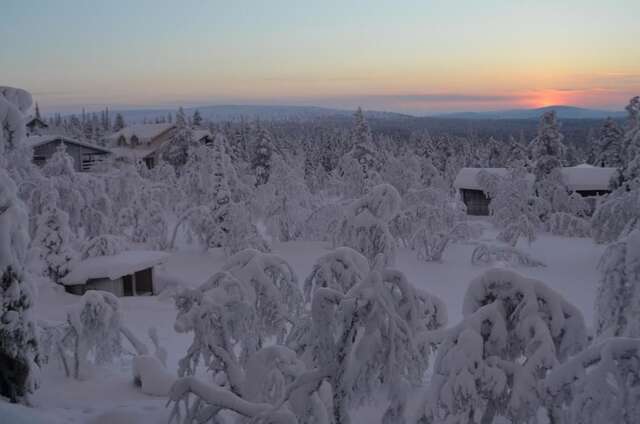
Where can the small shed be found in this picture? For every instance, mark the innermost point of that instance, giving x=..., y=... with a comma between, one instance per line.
x=125, y=274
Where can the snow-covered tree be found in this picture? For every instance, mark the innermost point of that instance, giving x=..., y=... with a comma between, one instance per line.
x=14, y=103
x=54, y=242
x=95, y=325
x=618, y=299
x=513, y=208
x=196, y=119
x=515, y=330
x=176, y=150
x=431, y=219
x=365, y=226
x=547, y=149
x=104, y=245
x=608, y=150
x=265, y=393
x=19, y=347
x=369, y=338
x=261, y=156
x=599, y=384
x=358, y=170
x=618, y=214
x=118, y=123
x=285, y=200
x=340, y=270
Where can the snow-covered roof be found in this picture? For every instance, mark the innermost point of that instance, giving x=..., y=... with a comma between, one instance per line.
x=577, y=178
x=468, y=177
x=144, y=132
x=587, y=177
x=38, y=140
x=113, y=267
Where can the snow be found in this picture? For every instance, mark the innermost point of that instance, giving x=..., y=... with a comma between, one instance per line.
x=577, y=178
x=571, y=271
x=113, y=267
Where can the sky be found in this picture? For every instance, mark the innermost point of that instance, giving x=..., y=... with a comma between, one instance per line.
x=419, y=57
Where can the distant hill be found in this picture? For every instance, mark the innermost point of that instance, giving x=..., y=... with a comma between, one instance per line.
x=251, y=112
x=563, y=112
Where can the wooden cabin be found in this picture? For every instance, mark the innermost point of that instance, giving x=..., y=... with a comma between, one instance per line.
x=588, y=181
x=125, y=274
x=85, y=156
x=144, y=142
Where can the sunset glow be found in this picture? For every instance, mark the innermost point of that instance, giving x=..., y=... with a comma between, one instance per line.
x=419, y=57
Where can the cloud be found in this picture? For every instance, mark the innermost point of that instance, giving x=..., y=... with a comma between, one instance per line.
x=445, y=97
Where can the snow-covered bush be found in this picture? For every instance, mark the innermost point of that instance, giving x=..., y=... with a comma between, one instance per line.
x=568, y=225
x=522, y=227
x=95, y=327
x=19, y=347
x=485, y=254
x=365, y=226
x=515, y=330
x=618, y=298
x=599, y=385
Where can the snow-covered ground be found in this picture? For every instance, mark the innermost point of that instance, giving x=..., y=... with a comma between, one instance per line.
x=109, y=396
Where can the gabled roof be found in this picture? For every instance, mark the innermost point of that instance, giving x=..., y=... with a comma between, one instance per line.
x=113, y=267
x=38, y=140
x=577, y=178
x=33, y=120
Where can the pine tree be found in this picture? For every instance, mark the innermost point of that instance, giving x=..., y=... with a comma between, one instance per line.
x=176, y=151
x=261, y=157
x=119, y=123
x=547, y=149
x=608, y=147
x=197, y=119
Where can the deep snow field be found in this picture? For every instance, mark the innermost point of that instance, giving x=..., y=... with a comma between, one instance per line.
x=109, y=395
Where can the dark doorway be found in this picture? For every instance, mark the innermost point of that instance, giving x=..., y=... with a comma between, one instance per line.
x=144, y=281
x=127, y=285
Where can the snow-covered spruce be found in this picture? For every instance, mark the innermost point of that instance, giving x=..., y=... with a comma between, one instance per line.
x=618, y=299
x=598, y=385
x=515, y=330
x=54, y=241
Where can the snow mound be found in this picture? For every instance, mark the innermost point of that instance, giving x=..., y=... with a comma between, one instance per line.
x=152, y=376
